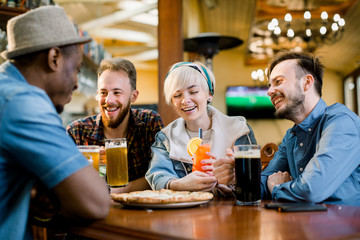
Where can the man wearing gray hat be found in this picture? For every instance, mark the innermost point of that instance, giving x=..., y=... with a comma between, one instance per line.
x=44, y=58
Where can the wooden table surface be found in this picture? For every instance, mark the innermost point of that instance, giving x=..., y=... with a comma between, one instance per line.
x=222, y=219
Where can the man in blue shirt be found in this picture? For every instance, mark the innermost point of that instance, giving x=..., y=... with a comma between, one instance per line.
x=319, y=158
x=35, y=83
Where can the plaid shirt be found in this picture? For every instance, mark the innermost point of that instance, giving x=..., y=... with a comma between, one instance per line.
x=143, y=125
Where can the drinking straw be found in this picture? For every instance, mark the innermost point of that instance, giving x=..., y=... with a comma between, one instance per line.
x=200, y=133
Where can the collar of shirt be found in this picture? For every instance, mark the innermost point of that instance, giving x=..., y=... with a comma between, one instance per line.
x=310, y=121
x=12, y=71
x=97, y=131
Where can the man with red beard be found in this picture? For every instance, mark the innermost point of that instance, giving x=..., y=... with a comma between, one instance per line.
x=319, y=157
x=116, y=92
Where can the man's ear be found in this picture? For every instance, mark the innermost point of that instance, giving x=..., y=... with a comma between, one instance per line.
x=53, y=58
x=308, y=82
x=134, y=95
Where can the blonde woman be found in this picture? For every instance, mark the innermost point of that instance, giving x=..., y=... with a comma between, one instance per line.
x=189, y=88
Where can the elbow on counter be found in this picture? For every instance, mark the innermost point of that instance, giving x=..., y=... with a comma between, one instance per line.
x=94, y=209
x=100, y=208
x=310, y=193
x=316, y=197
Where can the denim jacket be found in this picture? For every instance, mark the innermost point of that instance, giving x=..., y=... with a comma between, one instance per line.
x=170, y=159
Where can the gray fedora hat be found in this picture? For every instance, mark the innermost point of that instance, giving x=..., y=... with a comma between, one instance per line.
x=40, y=29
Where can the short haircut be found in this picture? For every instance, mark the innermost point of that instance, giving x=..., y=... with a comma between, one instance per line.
x=182, y=74
x=68, y=49
x=307, y=64
x=119, y=64
x=28, y=59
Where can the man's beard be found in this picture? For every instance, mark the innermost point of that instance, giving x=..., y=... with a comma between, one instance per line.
x=118, y=120
x=295, y=106
x=59, y=108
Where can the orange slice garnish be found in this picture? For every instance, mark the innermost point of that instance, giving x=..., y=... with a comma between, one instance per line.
x=193, y=145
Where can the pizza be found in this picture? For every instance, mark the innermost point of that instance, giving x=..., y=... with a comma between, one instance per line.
x=160, y=197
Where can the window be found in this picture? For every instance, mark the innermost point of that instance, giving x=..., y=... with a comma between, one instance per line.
x=352, y=91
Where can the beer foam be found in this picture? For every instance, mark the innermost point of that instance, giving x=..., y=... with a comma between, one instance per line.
x=89, y=150
x=251, y=153
x=116, y=146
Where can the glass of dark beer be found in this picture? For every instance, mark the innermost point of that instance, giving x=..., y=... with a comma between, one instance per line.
x=247, y=174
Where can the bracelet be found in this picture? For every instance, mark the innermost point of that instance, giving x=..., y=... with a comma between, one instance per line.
x=42, y=219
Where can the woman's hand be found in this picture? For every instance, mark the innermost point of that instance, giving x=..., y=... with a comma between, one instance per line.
x=208, y=163
x=195, y=181
x=223, y=168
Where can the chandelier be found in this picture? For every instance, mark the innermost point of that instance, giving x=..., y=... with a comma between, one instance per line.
x=307, y=33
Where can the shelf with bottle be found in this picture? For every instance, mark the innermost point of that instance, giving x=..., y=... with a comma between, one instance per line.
x=8, y=12
x=11, y=11
x=23, y=5
x=92, y=51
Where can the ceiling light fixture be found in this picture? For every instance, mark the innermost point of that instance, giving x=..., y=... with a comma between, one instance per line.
x=259, y=76
x=306, y=33
x=310, y=33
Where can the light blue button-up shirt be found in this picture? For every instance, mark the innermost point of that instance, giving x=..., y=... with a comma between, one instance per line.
x=322, y=154
x=33, y=147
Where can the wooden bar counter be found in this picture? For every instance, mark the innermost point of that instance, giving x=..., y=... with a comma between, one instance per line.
x=222, y=219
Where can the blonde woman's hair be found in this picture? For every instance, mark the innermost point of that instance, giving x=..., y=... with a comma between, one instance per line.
x=184, y=73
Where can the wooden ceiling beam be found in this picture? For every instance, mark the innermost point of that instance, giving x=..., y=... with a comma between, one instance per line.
x=116, y=17
x=85, y=1
x=145, y=56
x=123, y=35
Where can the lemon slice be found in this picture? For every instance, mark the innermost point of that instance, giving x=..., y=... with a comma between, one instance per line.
x=193, y=145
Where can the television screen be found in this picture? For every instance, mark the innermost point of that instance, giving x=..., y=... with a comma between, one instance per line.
x=250, y=102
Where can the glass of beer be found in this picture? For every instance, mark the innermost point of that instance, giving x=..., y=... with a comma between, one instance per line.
x=117, y=162
x=102, y=163
x=92, y=153
x=200, y=154
x=247, y=174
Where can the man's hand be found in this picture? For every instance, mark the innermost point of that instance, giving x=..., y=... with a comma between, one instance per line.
x=223, y=168
x=139, y=184
x=102, y=155
x=278, y=178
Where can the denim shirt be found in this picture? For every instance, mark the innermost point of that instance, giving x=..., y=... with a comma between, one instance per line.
x=33, y=147
x=322, y=154
x=163, y=168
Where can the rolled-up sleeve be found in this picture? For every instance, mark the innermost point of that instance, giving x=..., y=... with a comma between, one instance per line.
x=278, y=163
x=161, y=169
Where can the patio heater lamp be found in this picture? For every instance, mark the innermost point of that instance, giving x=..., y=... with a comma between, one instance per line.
x=209, y=44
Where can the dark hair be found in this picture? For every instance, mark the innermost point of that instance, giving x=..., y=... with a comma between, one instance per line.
x=68, y=49
x=28, y=59
x=307, y=63
x=119, y=64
